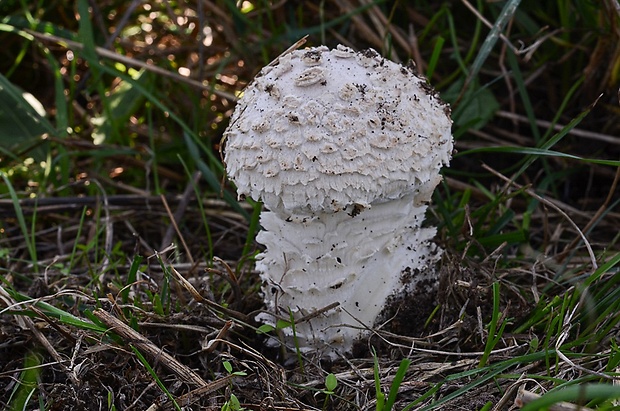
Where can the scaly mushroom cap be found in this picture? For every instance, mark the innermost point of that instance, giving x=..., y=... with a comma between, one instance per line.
x=324, y=129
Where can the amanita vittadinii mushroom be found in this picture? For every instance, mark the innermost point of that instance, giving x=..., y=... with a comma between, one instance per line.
x=344, y=149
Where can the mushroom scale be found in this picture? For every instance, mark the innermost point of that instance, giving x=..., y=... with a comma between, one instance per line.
x=344, y=148
x=323, y=129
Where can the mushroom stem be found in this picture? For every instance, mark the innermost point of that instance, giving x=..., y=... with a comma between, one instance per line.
x=358, y=259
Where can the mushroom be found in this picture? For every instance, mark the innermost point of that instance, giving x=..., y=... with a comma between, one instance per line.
x=344, y=149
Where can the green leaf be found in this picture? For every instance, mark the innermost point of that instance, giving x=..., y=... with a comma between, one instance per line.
x=331, y=382
x=280, y=324
x=227, y=366
x=22, y=121
x=475, y=109
x=131, y=277
x=235, y=405
x=265, y=329
x=158, y=306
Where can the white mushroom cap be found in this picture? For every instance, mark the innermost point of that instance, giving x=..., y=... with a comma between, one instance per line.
x=325, y=129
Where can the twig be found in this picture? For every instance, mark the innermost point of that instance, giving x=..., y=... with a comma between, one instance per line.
x=134, y=63
x=210, y=346
x=317, y=312
x=509, y=393
x=27, y=322
x=416, y=55
x=61, y=330
x=50, y=349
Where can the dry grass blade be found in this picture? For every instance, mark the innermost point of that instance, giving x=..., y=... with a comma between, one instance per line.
x=567, y=326
x=552, y=205
x=596, y=216
x=174, y=226
x=71, y=374
x=195, y=395
x=136, y=339
x=178, y=214
x=156, y=84
x=558, y=127
x=199, y=298
x=367, y=32
x=289, y=50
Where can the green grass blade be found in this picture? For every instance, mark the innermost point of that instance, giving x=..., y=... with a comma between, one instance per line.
x=506, y=15
x=580, y=394
x=151, y=371
x=85, y=32
x=534, y=153
x=51, y=311
x=517, y=76
x=131, y=277
x=210, y=177
x=253, y=228
x=78, y=235
x=203, y=214
x=481, y=380
x=61, y=115
x=481, y=376
x=428, y=394
x=30, y=242
x=398, y=379
x=27, y=383
x=493, y=336
x=603, y=269
x=432, y=63
x=378, y=392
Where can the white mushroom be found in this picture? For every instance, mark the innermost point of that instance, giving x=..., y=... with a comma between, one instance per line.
x=345, y=156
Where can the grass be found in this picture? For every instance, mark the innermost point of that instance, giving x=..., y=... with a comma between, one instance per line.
x=113, y=201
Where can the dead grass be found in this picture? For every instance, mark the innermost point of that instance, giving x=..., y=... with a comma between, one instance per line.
x=170, y=321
